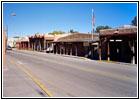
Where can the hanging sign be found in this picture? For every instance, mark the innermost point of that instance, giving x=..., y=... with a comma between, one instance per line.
x=86, y=44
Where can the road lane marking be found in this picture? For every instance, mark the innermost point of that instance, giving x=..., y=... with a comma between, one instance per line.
x=84, y=69
x=19, y=62
x=34, y=79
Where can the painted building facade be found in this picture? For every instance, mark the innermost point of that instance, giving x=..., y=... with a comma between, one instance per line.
x=77, y=45
x=23, y=44
x=119, y=44
x=43, y=42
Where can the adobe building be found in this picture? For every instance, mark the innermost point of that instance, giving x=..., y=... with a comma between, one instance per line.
x=23, y=44
x=36, y=42
x=77, y=45
x=43, y=42
x=119, y=44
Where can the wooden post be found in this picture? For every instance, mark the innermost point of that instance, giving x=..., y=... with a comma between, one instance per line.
x=133, y=58
x=64, y=49
x=71, y=50
x=28, y=45
x=108, y=51
x=60, y=48
x=44, y=44
x=53, y=47
x=23, y=45
x=100, y=50
x=56, y=47
x=32, y=46
x=40, y=44
x=49, y=47
x=76, y=49
x=47, y=44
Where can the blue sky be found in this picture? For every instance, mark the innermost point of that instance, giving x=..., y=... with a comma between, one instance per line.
x=46, y=17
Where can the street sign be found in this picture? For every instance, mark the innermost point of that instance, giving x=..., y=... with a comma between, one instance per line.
x=95, y=43
x=86, y=44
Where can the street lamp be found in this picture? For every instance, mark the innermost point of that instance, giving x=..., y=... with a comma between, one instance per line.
x=13, y=14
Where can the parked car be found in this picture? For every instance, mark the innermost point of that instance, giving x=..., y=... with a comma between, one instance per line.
x=8, y=48
x=49, y=49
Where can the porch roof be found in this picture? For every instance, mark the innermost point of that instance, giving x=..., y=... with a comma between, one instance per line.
x=79, y=37
x=124, y=31
x=25, y=39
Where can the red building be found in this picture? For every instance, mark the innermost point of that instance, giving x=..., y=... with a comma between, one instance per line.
x=23, y=44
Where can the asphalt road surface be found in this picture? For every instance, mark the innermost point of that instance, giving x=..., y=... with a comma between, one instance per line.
x=74, y=77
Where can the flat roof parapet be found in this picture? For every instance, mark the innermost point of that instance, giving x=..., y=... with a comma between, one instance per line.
x=79, y=37
x=131, y=30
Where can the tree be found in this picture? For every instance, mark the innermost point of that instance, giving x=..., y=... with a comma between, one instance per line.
x=16, y=37
x=134, y=21
x=56, y=32
x=98, y=28
x=72, y=31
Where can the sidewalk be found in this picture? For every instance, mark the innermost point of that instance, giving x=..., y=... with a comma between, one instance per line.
x=78, y=57
x=57, y=54
x=17, y=84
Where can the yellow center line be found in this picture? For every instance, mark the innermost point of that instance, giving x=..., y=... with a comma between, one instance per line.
x=84, y=69
x=34, y=79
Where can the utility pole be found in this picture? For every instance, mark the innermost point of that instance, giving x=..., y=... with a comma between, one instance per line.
x=7, y=35
x=93, y=25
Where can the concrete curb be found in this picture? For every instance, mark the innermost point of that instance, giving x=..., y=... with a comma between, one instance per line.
x=72, y=56
x=115, y=62
x=107, y=61
x=56, y=54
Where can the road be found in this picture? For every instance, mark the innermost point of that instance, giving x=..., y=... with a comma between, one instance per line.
x=74, y=77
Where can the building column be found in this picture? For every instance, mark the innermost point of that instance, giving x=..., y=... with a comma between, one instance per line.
x=133, y=58
x=76, y=49
x=24, y=45
x=60, y=48
x=28, y=45
x=100, y=49
x=21, y=46
x=71, y=49
x=53, y=47
x=108, y=51
x=64, y=49
x=92, y=50
x=32, y=45
x=47, y=45
x=40, y=44
x=49, y=48
x=56, y=48
x=44, y=44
